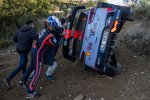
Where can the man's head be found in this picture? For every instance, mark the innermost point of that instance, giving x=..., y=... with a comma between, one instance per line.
x=52, y=23
x=30, y=23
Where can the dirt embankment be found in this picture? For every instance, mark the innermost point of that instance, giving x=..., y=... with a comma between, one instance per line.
x=136, y=35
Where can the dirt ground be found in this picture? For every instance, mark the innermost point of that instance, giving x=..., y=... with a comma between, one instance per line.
x=71, y=80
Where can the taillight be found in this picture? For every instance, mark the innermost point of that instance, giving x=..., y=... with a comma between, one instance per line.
x=109, y=9
x=114, y=26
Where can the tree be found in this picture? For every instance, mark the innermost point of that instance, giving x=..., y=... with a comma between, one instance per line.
x=101, y=0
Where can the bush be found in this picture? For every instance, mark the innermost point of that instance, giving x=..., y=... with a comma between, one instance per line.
x=5, y=43
x=14, y=13
x=141, y=8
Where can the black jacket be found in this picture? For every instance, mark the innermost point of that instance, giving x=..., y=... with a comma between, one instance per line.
x=24, y=38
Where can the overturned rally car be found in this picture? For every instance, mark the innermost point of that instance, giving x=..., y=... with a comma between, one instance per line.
x=90, y=35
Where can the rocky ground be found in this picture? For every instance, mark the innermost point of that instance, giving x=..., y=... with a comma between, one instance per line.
x=72, y=81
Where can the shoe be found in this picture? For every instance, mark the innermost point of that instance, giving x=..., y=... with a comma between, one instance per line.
x=21, y=84
x=6, y=82
x=49, y=78
x=32, y=95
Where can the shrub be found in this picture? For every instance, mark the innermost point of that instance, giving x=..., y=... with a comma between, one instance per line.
x=142, y=8
x=5, y=43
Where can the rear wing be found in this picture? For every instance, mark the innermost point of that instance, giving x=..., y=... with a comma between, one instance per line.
x=124, y=10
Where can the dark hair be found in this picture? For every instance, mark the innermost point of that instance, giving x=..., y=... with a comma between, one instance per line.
x=29, y=22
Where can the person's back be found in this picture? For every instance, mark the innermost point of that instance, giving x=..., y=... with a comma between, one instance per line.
x=24, y=38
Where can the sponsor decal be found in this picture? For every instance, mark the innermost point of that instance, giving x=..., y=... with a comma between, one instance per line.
x=89, y=47
x=109, y=20
x=93, y=29
x=54, y=40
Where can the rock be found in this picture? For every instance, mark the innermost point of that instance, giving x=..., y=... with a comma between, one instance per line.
x=41, y=87
x=87, y=99
x=90, y=99
x=2, y=85
x=133, y=82
x=135, y=73
x=142, y=72
x=110, y=78
x=64, y=92
x=70, y=96
x=15, y=53
x=68, y=86
x=57, y=98
x=102, y=98
x=60, y=65
x=79, y=97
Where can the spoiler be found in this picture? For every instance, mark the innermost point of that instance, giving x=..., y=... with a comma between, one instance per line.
x=124, y=10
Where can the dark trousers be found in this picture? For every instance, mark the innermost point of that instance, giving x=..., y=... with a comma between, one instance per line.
x=26, y=75
x=39, y=66
x=21, y=66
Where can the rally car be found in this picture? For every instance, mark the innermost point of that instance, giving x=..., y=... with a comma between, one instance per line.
x=90, y=35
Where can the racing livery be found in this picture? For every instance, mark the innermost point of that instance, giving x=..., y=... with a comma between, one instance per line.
x=94, y=36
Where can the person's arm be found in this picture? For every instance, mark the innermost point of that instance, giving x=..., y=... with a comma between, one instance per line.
x=15, y=38
x=63, y=20
x=58, y=32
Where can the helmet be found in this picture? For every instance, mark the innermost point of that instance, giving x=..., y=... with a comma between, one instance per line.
x=53, y=22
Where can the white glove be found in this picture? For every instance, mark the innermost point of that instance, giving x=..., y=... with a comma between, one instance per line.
x=51, y=69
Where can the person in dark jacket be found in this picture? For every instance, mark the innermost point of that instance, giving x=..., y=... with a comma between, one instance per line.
x=23, y=38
